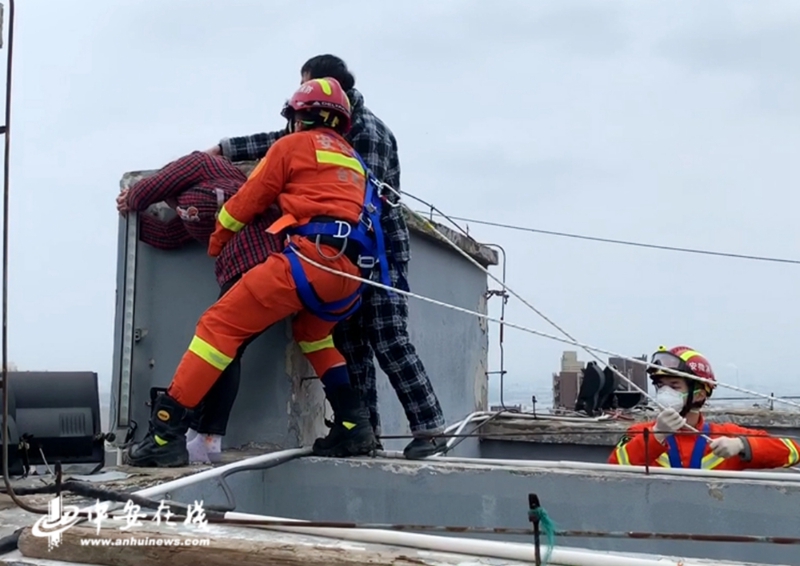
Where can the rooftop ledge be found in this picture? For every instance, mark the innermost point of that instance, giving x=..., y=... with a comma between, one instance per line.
x=484, y=255
x=608, y=432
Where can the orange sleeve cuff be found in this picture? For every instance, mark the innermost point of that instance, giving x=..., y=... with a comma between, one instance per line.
x=772, y=452
x=217, y=241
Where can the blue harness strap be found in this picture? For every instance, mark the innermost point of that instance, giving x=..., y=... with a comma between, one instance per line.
x=697, y=453
x=366, y=234
x=310, y=300
x=373, y=208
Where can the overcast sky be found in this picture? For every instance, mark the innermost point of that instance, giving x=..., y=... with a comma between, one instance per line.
x=672, y=122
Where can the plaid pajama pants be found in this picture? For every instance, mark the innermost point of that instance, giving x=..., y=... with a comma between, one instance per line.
x=380, y=327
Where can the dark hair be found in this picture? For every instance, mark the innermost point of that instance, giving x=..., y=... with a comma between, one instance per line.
x=322, y=66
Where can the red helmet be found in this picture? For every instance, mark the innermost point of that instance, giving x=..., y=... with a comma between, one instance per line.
x=326, y=97
x=683, y=359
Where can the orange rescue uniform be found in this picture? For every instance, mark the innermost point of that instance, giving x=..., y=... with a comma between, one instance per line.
x=764, y=451
x=310, y=173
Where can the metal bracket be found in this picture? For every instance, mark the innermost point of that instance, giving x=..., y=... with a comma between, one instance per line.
x=139, y=333
x=497, y=293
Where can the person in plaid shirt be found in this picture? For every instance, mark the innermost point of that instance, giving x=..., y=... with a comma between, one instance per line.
x=380, y=325
x=195, y=186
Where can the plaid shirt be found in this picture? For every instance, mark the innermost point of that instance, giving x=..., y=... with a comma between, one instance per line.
x=249, y=247
x=167, y=235
x=376, y=144
x=201, y=183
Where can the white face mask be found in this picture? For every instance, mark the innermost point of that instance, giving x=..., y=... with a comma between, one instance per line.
x=668, y=397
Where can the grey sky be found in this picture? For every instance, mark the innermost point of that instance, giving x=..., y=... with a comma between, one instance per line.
x=669, y=122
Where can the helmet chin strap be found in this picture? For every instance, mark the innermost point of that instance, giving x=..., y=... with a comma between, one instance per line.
x=691, y=405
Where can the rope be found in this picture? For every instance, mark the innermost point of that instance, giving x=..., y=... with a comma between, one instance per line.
x=525, y=302
x=569, y=340
x=534, y=309
x=546, y=524
x=620, y=242
x=545, y=335
x=587, y=349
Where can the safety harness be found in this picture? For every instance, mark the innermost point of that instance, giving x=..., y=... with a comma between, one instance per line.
x=368, y=236
x=697, y=453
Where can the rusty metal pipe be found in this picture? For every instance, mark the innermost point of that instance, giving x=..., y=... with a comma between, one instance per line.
x=680, y=536
x=528, y=532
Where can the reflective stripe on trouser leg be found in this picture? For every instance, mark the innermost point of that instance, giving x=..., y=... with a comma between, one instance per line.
x=199, y=369
x=314, y=337
x=316, y=345
x=235, y=317
x=313, y=334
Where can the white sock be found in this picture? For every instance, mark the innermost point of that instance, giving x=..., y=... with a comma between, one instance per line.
x=197, y=451
x=190, y=434
x=213, y=444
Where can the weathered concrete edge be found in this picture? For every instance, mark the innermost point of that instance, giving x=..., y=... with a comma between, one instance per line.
x=484, y=255
x=608, y=433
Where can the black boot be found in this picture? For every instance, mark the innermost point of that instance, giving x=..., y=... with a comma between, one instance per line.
x=351, y=433
x=164, y=446
x=193, y=416
x=334, y=403
x=424, y=446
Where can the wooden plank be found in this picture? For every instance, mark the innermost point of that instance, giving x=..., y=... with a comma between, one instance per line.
x=243, y=547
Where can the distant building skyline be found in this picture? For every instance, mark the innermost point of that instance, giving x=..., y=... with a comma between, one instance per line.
x=567, y=382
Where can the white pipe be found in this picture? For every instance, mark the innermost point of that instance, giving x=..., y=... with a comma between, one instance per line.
x=611, y=469
x=472, y=417
x=211, y=473
x=607, y=469
x=537, y=417
x=503, y=550
x=616, y=469
x=474, y=547
x=480, y=416
x=483, y=415
x=461, y=426
x=559, y=418
x=218, y=471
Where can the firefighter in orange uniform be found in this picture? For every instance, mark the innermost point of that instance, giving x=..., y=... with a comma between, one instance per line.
x=732, y=447
x=321, y=185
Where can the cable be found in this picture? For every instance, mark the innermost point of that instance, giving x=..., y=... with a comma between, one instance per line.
x=620, y=242
x=526, y=303
x=489, y=274
x=512, y=292
x=6, y=129
x=540, y=333
x=576, y=431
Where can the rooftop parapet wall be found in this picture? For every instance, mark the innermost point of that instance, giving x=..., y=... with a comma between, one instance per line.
x=416, y=223
x=608, y=433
